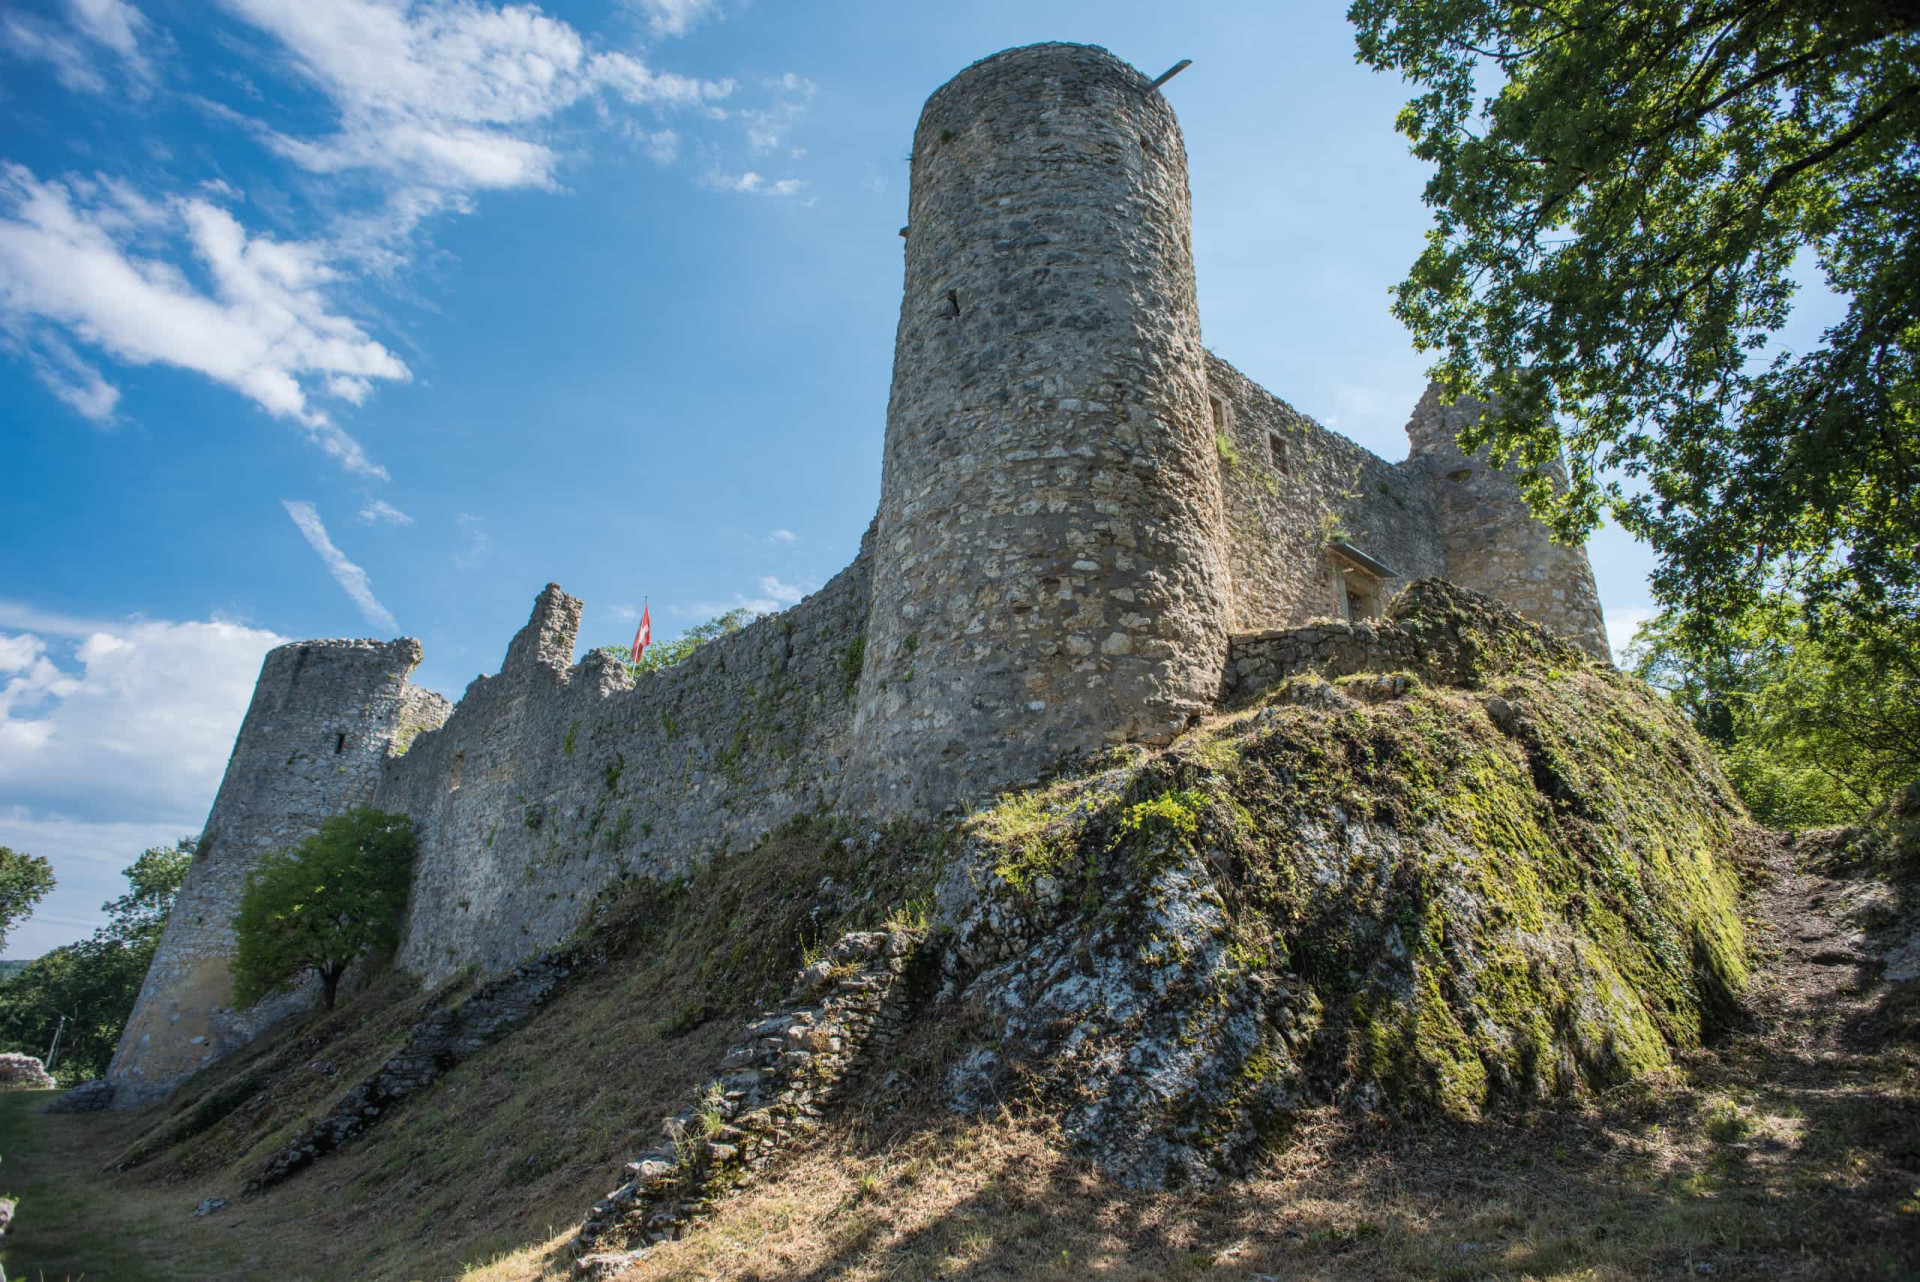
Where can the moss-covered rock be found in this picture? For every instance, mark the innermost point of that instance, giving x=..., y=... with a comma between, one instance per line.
x=1379, y=890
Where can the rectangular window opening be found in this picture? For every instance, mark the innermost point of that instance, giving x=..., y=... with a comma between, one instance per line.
x=339, y=744
x=1277, y=449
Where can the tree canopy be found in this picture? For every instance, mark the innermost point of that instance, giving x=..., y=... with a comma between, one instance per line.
x=1815, y=727
x=94, y=982
x=317, y=908
x=24, y=881
x=1625, y=196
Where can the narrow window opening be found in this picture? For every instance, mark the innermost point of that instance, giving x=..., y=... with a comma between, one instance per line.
x=1219, y=414
x=339, y=744
x=1277, y=449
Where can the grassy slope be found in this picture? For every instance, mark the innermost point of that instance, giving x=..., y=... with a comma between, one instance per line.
x=1586, y=806
x=512, y=1145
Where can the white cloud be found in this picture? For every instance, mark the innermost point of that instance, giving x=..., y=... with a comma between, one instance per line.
x=139, y=720
x=62, y=371
x=623, y=613
x=781, y=536
x=775, y=596
x=73, y=50
x=449, y=97
x=475, y=542
x=87, y=856
x=379, y=510
x=786, y=593
x=263, y=324
x=767, y=127
x=675, y=17
x=110, y=744
x=754, y=184
x=1622, y=623
x=351, y=578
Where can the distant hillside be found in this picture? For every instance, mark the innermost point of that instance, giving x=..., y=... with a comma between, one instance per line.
x=8, y=969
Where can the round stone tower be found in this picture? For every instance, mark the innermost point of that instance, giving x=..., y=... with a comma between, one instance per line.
x=1494, y=544
x=324, y=717
x=1048, y=568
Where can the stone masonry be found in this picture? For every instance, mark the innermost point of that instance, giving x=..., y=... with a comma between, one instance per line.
x=1088, y=528
x=325, y=718
x=1049, y=573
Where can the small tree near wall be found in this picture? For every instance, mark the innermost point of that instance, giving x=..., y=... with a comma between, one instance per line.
x=334, y=898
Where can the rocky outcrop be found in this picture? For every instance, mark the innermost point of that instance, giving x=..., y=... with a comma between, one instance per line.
x=770, y=1090
x=1477, y=869
x=88, y=1097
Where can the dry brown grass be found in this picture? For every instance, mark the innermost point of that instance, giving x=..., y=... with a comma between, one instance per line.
x=1791, y=1149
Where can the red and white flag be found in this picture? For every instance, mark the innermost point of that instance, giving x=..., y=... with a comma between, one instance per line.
x=642, y=635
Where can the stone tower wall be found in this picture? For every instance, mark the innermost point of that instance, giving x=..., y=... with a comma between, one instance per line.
x=552, y=779
x=1294, y=489
x=1049, y=570
x=324, y=718
x=1493, y=542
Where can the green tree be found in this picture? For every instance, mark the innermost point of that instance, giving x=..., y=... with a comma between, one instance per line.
x=24, y=881
x=317, y=908
x=664, y=654
x=1623, y=196
x=1815, y=726
x=94, y=982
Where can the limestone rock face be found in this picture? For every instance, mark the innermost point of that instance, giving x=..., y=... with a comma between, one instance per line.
x=1474, y=868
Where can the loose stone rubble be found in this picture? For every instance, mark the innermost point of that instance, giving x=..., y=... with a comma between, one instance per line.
x=772, y=1089
x=435, y=1045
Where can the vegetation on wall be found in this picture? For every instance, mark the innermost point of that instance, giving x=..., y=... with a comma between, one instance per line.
x=318, y=908
x=1624, y=198
x=93, y=983
x=664, y=654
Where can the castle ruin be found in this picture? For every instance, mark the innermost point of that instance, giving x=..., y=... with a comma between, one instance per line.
x=1084, y=516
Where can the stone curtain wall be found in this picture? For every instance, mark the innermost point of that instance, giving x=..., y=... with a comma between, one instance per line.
x=1048, y=573
x=1281, y=518
x=1494, y=544
x=1433, y=630
x=552, y=779
x=324, y=717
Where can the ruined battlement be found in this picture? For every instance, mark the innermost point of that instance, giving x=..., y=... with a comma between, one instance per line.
x=1090, y=529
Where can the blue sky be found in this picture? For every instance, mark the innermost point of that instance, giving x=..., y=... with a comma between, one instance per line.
x=358, y=317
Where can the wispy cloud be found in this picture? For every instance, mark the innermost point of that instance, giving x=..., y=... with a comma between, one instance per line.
x=781, y=536
x=753, y=184
x=475, y=542
x=382, y=512
x=447, y=99
x=774, y=596
x=768, y=127
x=429, y=105
x=675, y=17
x=351, y=578
x=1622, y=623
x=73, y=48
x=66, y=265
